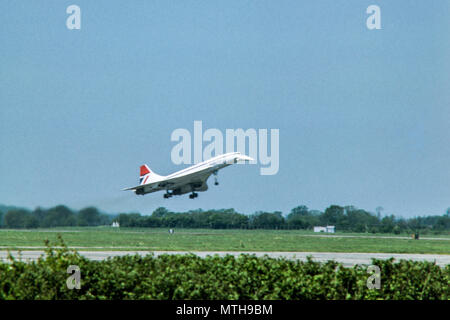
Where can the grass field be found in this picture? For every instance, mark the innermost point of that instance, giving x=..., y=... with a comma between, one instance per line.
x=107, y=238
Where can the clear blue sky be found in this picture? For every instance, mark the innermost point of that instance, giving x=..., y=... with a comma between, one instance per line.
x=364, y=115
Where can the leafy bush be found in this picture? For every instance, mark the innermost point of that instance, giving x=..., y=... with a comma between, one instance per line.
x=214, y=277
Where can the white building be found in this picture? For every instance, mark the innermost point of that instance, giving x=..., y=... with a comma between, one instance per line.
x=115, y=224
x=328, y=229
x=320, y=229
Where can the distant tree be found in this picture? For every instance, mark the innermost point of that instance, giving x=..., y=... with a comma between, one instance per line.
x=442, y=223
x=388, y=224
x=396, y=229
x=59, y=216
x=16, y=218
x=315, y=212
x=200, y=218
x=170, y=221
x=358, y=220
x=218, y=221
x=105, y=219
x=267, y=220
x=237, y=220
x=150, y=222
x=414, y=224
x=39, y=214
x=89, y=217
x=301, y=218
x=31, y=221
x=378, y=210
x=129, y=220
x=348, y=218
x=332, y=215
x=160, y=212
x=402, y=225
x=299, y=211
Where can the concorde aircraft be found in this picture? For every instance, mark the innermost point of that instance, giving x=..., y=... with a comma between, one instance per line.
x=188, y=180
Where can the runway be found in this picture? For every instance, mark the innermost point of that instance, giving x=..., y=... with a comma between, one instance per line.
x=347, y=259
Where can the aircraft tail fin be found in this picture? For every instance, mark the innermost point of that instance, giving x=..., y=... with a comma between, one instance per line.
x=147, y=175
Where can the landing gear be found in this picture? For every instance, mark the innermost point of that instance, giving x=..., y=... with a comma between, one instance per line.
x=193, y=195
x=216, y=183
x=167, y=195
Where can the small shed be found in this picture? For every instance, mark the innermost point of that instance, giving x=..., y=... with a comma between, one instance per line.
x=327, y=229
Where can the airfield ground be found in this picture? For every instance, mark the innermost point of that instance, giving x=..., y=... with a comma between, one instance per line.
x=198, y=240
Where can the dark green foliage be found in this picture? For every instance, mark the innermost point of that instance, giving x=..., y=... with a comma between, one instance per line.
x=17, y=218
x=348, y=218
x=89, y=217
x=332, y=215
x=301, y=218
x=267, y=220
x=191, y=277
x=59, y=216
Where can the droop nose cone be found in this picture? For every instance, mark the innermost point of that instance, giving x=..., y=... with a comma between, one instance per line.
x=242, y=157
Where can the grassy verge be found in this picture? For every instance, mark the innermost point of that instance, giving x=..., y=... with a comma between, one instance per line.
x=106, y=238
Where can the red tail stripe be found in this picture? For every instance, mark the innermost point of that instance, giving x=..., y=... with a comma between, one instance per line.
x=144, y=170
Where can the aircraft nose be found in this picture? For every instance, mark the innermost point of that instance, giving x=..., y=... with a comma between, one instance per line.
x=242, y=157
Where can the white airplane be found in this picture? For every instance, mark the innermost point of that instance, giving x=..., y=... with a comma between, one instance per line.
x=191, y=179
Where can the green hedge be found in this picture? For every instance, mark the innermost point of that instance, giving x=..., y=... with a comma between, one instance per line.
x=191, y=277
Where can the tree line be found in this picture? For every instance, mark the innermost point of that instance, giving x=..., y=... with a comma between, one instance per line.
x=344, y=218
x=59, y=216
